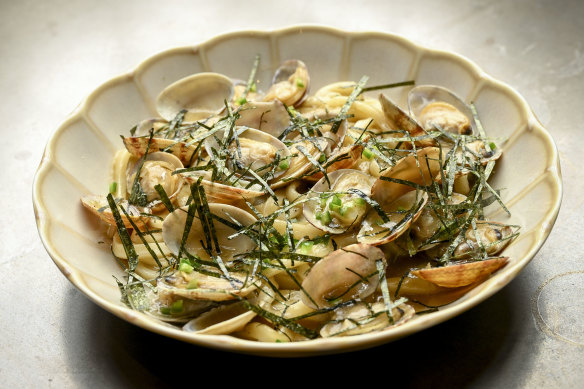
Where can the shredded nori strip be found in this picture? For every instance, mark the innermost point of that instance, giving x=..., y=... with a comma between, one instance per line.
x=164, y=198
x=387, y=86
x=124, y=235
x=290, y=324
x=137, y=195
x=345, y=108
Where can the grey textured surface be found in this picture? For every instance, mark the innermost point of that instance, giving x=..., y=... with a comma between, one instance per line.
x=55, y=52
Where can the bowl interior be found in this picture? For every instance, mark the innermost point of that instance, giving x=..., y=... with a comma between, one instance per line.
x=77, y=158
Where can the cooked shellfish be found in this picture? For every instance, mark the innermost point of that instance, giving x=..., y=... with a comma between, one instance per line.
x=201, y=95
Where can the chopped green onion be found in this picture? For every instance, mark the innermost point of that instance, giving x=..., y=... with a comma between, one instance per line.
x=241, y=101
x=343, y=210
x=324, y=217
x=322, y=158
x=165, y=310
x=253, y=87
x=334, y=207
x=185, y=267
x=359, y=202
x=285, y=164
x=176, y=307
x=113, y=187
x=367, y=154
x=305, y=247
x=335, y=203
x=492, y=145
x=299, y=83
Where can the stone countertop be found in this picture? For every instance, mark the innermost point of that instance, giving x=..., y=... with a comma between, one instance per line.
x=55, y=52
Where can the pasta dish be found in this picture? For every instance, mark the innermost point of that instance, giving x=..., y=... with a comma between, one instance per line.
x=276, y=214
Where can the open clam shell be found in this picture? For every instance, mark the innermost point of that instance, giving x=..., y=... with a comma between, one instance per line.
x=201, y=95
x=362, y=318
x=137, y=146
x=437, y=107
x=99, y=206
x=157, y=170
x=207, y=288
x=190, y=308
x=269, y=117
x=254, y=149
x=432, y=105
x=429, y=224
x=321, y=148
x=399, y=120
x=224, y=319
x=290, y=83
x=493, y=237
x=336, y=213
x=401, y=213
x=418, y=169
x=145, y=126
x=227, y=318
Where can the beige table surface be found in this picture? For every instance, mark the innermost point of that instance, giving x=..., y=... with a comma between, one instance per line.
x=54, y=52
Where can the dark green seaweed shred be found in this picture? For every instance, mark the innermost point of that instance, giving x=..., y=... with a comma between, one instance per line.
x=290, y=324
x=388, y=86
x=137, y=195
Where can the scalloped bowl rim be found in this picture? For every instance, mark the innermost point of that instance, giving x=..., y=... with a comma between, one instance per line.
x=317, y=346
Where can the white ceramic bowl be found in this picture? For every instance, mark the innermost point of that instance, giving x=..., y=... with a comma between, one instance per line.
x=77, y=157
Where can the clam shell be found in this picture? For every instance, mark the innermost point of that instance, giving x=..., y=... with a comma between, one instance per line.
x=299, y=165
x=209, y=288
x=399, y=120
x=221, y=193
x=293, y=306
x=137, y=147
x=227, y=318
x=290, y=84
x=428, y=224
x=174, y=225
x=99, y=206
x=202, y=95
x=362, y=318
x=222, y=320
x=341, y=276
x=454, y=276
x=494, y=238
x=340, y=180
x=190, y=309
x=374, y=233
x=256, y=148
x=269, y=117
x=420, y=97
x=143, y=128
x=264, y=333
x=419, y=168
x=170, y=163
